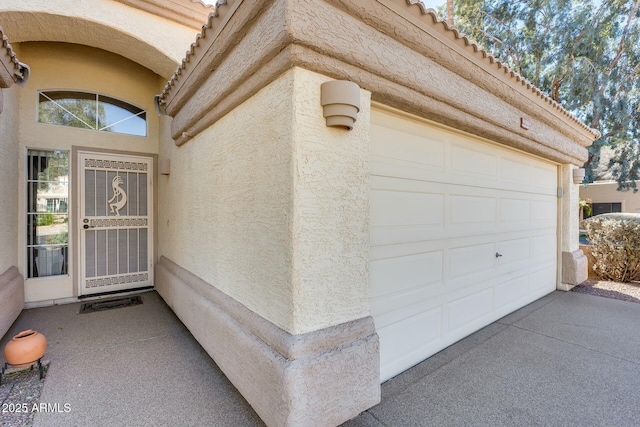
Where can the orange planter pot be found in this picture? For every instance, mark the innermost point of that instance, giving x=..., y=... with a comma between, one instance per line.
x=25, y=348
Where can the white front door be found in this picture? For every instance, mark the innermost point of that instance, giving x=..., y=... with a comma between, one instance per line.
x=115, y=220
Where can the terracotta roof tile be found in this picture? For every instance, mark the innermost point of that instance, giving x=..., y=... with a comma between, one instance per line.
x=12, y=70
x=214, y=19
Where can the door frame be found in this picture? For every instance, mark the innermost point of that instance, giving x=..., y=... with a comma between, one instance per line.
x=75, y=214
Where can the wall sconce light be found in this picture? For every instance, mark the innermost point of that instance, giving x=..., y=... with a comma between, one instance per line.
x=165, y=167
x=578, y=175
x=340, y=100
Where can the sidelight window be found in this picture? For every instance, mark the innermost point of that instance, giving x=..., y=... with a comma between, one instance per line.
x=47, y=213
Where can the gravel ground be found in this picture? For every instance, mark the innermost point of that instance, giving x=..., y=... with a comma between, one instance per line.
x=603, y=288
x=19, y=392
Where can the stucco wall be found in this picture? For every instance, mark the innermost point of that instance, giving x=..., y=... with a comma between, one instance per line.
x=225, y=210
x=331, y=212
x=157, y=43
x=605, y=192
x=67, y=66
x=270, y=206
x=9, y=172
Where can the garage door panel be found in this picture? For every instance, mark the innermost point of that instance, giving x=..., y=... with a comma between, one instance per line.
x=543, y=280
x=398, y=250
x=394, y=219
x=395, y=169
x=511, y=292
x=404, y=273
x=470, y=162
x=515, y=210
x=411, y=334
x=471, y=259
x=546, y=176
x=398, y=308
x=388, y=170
x=470, y=311
x=419, y=151
x=418, y=209
x=473, y=210
x=540, y=246
x=516, y=170
x=390, y=367
x=513, y=251
x=468, y=201
x=545, y=211
x=400, y=235
x=397, y=240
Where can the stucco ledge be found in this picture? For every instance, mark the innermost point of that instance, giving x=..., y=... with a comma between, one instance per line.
x=320, y=378
x=574, y=269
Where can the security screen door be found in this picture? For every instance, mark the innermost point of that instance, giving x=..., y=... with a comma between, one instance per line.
x=116, y=242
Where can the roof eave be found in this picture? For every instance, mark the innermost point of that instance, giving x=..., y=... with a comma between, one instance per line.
x=190, y=13
x=11, y=69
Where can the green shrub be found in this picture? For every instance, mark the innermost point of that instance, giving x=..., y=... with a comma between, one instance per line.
x=44, y=219
x=615, y=245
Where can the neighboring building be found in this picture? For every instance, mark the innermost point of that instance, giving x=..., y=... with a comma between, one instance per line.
x=605, y=198
x=311, y=262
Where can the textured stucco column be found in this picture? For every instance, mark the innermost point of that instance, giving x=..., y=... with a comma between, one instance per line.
x=330, y=227
x=574, y=264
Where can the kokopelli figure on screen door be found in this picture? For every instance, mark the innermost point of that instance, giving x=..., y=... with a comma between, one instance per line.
x=118, y=192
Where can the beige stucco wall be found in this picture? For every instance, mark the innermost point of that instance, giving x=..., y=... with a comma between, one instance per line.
x=67, y=66
x=271, y=207
x=9, y=172
x=605, y=192
x=158, y=44
x=331, y=212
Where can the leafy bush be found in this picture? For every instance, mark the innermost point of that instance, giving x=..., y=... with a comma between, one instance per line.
x=615, y=240
x=44, y=219
x=56, y=239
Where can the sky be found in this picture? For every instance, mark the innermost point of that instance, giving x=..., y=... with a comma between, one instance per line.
x=434, y=4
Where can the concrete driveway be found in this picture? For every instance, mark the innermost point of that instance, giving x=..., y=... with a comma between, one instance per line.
x=567, y=359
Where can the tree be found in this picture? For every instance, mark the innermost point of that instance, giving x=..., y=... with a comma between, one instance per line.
x=74, y=110
x=584, y=54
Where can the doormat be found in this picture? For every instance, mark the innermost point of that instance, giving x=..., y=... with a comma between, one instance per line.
x=102, y=305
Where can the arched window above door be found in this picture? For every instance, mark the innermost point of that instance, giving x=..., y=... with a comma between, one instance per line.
x=86, y=110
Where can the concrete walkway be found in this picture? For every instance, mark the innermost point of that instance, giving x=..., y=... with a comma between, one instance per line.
x=567, y=359
x=133, y=366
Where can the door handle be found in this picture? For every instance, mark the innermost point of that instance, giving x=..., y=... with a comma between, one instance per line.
x=86, y=226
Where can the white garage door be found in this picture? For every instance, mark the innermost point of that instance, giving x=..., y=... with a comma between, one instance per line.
x=462, y=233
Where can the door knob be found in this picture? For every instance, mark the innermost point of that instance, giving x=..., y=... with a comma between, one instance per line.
x=86, y=226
